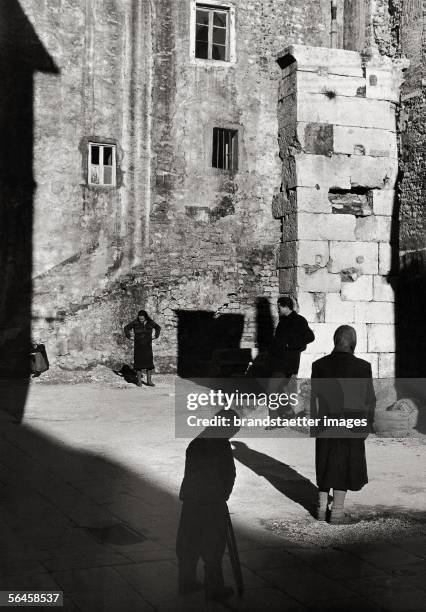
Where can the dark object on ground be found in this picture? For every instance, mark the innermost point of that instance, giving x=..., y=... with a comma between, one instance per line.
x=234, y=557
x=39, y=360
x=127, y=373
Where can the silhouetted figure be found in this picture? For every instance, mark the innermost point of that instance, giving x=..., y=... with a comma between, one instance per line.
x=264, y=324
x=206, y=487
x=142, y=327
x=340, y=462
x=292, y=334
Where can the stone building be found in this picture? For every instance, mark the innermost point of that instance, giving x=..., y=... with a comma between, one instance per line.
x=175, y=165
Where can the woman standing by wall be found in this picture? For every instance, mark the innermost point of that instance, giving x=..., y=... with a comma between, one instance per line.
x=142, y=327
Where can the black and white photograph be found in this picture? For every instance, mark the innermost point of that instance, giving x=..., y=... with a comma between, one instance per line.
x=213, y=305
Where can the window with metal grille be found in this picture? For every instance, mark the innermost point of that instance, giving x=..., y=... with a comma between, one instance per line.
x=101, y=160
x=225, y=149
x=212, y=32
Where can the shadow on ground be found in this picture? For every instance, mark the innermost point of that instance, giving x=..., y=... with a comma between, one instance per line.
x=281, y=476
x=84, y=523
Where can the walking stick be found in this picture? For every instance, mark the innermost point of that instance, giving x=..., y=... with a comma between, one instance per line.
x=233, y=554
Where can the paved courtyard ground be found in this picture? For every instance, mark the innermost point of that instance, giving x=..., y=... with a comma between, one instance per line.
x=89, y=504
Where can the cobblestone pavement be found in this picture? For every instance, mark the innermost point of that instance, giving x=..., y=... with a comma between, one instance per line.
x=88, y=504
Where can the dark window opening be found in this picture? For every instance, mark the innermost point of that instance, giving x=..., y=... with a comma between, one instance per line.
x=225, y=149
x=212, y=33
x=101, y=164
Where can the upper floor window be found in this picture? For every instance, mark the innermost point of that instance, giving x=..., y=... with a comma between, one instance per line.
x=212, y=31
x=102, y=164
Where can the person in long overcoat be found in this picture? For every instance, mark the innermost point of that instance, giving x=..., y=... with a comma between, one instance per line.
x=291, y=336
x=207, y=484
x=143, y=327
x=341, y=387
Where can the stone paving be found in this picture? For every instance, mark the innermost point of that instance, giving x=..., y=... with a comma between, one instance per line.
x=88, y=504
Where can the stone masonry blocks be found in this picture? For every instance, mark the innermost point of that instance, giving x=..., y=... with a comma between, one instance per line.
x=381, y=338
x=340, y=171
x=383, y=202
x=374, y=312
x=373, y=229
x=382, y=289
x=312, y=200
x=324, y=337
x=362, y=256
x=357, y=112
x=373, y=142
x=386, y=365
x=385, y=258
x=326, y=227
x=338, y=311
x=313, y=254
x=359, y=290
x=341, y=139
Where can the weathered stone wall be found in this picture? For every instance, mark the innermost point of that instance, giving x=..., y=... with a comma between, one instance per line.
x=175, y=234
x=338, y=144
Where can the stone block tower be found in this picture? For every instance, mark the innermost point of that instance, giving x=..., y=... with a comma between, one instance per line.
x=338, y=144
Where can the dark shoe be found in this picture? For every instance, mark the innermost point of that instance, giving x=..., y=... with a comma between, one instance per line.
x=185, y=589
x=220, y=594
x=150, y=384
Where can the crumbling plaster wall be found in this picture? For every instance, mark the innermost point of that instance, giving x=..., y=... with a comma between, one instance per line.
x=176, y=233
x=85, y=236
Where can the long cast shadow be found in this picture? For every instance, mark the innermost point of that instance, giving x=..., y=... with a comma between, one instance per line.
x=21, y=56
x=281, y=476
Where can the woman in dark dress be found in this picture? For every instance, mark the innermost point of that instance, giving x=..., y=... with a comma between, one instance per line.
x=142, y=327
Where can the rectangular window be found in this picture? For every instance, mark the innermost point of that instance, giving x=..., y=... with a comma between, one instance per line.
x=101, y=170
x=212, y=32
x=225, y=149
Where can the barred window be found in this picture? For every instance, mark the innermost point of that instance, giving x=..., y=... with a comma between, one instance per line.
x=101, y=161
x=212, y=32
x=225, y=149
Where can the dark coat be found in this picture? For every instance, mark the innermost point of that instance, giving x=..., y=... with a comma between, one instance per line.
x=143, y=358
x=209, y=471
x=290, y=339
x=207, y=484
x=340, y=462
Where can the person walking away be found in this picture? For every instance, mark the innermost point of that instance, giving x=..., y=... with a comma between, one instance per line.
x=340, y=462
x=143, y=327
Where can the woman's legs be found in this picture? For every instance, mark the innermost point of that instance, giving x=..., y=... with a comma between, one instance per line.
x=322, y=504
x=139, y=378
x=337, y=512
x=149, y=378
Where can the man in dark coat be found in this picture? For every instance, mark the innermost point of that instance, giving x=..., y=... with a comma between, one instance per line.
x=207, y=484
x=341, y=388
x=292, y=334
